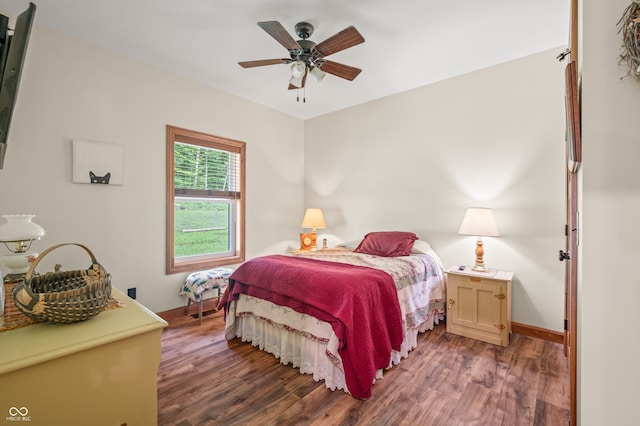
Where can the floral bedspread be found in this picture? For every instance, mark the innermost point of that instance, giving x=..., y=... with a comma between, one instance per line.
x=420, y=284
x=418, y=278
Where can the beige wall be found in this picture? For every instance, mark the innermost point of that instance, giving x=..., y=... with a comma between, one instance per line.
x=413, y=161
x=416, y=161
x=70, y=90
x=609, y=287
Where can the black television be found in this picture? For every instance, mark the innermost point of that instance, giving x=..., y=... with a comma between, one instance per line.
x=13, y=48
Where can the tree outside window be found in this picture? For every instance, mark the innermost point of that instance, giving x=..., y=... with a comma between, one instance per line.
x=205, y=200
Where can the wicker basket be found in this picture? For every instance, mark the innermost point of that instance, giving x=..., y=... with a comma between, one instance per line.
x=64, y=297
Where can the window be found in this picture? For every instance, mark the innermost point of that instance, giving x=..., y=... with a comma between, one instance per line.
x=205, y=200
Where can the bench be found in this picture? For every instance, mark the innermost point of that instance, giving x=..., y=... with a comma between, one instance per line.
x=198, y=284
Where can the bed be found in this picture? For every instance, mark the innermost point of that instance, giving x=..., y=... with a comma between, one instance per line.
x=343, y=314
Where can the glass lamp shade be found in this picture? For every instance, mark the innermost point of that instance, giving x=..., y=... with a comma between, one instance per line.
x=297, y=69
x=19, y=227
x=317, y=73
x=19, y=230
x=297, y=82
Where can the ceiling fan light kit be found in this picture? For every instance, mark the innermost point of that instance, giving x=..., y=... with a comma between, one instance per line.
x=307, y=57
x=317, y=73
x=297, y=69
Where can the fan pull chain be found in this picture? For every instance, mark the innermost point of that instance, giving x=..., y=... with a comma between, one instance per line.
x=304, y=95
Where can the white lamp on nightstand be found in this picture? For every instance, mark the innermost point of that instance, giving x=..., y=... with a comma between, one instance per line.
x=480, y=222
x=313, y=218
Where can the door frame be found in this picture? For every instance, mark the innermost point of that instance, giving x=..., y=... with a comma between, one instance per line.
x=573, y=163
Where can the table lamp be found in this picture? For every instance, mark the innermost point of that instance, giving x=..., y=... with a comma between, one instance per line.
x=313, y=218
x=17, y=234
x=479, y=222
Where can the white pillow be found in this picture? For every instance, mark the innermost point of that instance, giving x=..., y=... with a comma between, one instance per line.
x=351, y=245
x=421, y=247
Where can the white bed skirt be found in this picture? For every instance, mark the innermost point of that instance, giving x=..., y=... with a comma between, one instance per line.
x=308, y=352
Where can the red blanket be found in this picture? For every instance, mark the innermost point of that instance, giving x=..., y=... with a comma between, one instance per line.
x=360, y=303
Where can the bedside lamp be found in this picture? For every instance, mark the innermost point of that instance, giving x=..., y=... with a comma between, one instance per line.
x=480, y=223
x=313, y=218
x=17, y=234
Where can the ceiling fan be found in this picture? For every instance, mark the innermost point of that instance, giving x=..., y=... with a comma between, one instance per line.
x=308, y=57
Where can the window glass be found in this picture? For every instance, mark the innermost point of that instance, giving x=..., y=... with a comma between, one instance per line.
x=205, y=200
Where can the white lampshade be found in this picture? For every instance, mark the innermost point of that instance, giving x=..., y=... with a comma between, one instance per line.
x=313, y=218
x=19, y=230
x=480, y=222
x=19, y=227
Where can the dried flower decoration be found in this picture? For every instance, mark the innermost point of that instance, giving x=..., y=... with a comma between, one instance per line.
x=629, y=26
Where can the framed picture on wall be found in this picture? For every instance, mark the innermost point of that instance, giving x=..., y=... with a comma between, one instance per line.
x=572, y=105
x=97, y=162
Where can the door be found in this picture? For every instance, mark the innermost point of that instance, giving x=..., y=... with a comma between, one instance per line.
x=572, y=231
x=479, y=305
x=571, y=287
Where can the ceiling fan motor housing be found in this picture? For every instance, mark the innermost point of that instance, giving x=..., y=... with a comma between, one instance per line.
x=306, y=52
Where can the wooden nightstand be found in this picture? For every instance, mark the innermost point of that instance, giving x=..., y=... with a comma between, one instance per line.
x=479, y=304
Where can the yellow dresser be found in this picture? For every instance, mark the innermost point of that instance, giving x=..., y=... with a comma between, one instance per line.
x=102, y=371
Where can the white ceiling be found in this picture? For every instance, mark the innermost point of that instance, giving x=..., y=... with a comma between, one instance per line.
x=408, y=43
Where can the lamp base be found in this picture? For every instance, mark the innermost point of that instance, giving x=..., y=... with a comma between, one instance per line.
x=479, y=266
x=17, y=263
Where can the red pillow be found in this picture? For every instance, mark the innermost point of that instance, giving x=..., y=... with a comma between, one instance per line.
x=387, y=244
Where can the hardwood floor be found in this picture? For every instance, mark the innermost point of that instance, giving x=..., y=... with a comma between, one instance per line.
x=446, y=380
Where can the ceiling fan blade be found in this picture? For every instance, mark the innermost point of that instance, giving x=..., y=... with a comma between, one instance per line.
x=340, y=70
x=340, y=41
x=304, y=80
x=277, y=31
x=263, y=62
